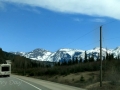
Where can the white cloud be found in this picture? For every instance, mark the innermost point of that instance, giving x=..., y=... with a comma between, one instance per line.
x=32, y=9
x=78, y=19
x=98, y=20
x=36, y=11
x=109, y=8
x=1, y=5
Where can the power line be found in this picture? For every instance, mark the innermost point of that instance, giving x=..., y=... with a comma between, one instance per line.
x=110, y=22
x=107, y=24
x=90, y=44
x=80, y=37
x=88, y=33
x=112, y=38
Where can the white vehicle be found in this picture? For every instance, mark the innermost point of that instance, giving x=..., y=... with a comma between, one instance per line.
x=5, y=70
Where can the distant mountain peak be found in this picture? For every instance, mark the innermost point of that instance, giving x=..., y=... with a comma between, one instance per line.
x=65, y=49
x=39, y=49
x=117, y=48
x=65, y=53
x=96, y=48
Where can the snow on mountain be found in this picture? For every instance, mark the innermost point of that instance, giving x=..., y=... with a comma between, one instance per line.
x=116, y=52
x=37, y=54
x=19, y=53
x=96, y=52
x=66, y=54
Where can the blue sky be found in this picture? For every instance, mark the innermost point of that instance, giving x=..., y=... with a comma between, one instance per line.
x=26, y=25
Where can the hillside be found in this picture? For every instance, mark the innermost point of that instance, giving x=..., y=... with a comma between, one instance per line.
x=82, y=74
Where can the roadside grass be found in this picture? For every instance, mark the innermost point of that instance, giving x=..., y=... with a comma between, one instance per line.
x=80, y=79
x=84, y=75
x=106, y=86
x=111, y=81
x=88, y=80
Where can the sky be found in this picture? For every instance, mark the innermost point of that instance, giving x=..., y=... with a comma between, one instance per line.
x=54, y=24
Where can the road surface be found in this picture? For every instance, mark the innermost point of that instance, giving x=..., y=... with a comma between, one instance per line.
x=16, y=82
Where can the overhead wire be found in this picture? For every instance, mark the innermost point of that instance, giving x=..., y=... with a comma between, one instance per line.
x=80, y=37
x=90, y=44
x=104, y=39
x=112, y=38
x=110, y=22
x=89, y=33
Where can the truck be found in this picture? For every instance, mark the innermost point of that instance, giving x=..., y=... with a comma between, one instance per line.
x=5, y=70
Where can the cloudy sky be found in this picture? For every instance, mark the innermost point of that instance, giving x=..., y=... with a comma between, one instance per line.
x=53, y=24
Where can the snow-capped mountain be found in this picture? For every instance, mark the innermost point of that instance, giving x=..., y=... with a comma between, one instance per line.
x=37, y=54
x=66, y=54
x=96, y=52
x=116, y=52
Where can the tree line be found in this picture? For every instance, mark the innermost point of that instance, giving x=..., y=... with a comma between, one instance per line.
x=25, y=66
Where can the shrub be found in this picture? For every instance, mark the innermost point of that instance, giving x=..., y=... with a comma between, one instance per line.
x=82, y=79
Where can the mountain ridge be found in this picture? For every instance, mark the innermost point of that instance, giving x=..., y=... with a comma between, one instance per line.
x=65, y=53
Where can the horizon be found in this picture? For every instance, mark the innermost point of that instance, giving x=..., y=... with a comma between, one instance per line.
x=53, y=25
x=68, y=48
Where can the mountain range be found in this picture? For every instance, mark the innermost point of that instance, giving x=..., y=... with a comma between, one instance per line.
x=65, y=54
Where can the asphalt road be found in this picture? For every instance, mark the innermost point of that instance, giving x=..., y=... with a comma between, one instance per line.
x=26, y=83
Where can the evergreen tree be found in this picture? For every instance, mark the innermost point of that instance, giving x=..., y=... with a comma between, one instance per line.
x=64, y=62
x=80, y=59
x=91, y=59
x=76, y=61
x=85, y=60
x=107, y=56
x=112, y=56
x=69, y=62
x=2, y=56
x=118, y=57
x=98, y=58
x=59, y=63
x=73, y=60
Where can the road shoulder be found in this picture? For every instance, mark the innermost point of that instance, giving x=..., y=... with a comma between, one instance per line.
x=48, y=84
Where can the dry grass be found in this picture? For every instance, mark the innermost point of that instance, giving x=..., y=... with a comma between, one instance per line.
x=76, y=77
x=111, y=81
x=106, y=86
x=73, y=79
x=91, y=80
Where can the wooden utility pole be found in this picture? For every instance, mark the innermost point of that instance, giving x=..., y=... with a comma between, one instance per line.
x=24, y=66
x=100, y=56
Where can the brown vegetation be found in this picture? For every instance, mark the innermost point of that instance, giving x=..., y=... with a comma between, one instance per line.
x=80, y=74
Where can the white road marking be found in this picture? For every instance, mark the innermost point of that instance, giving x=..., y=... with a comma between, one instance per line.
x=28, y=83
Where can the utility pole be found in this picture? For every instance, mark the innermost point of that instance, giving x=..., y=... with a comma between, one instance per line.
x=100, y=56
x=24, y=66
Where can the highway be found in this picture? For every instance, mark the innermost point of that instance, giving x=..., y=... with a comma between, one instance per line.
x=15, y=82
